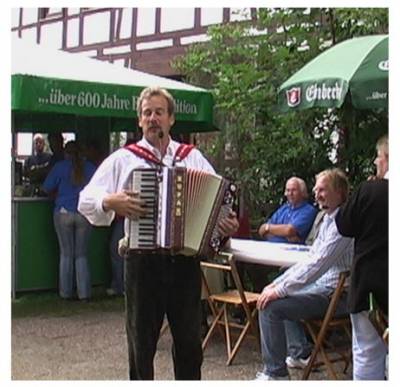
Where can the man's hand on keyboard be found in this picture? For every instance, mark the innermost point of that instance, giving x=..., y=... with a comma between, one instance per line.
x=125, y=203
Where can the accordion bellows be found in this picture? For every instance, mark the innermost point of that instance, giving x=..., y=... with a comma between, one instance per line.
x=184, y=207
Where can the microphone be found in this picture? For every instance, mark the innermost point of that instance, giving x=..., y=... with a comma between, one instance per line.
x=160, y=137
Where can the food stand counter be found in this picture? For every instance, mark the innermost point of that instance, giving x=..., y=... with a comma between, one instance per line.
x=35, y=247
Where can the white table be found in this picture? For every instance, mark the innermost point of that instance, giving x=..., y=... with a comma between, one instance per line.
x=268, y=253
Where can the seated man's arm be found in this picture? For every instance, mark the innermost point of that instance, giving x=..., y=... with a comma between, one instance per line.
x=294, y=231
x=325, y=255
x=283, y=230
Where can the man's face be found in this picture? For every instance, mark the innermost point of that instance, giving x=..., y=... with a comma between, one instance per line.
x=155, y=119
x=328, y=199
x=382, y=164
x=39, y=145
x=293, y=193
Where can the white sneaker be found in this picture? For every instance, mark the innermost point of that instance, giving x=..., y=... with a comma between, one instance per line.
x=297, y=363
x=263, y=376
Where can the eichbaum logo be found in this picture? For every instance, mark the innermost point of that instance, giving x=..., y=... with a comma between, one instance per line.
x=323, y=92
x=293, y=96
x=384, y=65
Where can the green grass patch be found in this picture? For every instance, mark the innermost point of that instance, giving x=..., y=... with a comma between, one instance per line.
x=48, y=303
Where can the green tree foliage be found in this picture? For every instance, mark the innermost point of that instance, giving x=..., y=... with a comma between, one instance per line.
x=244, y=64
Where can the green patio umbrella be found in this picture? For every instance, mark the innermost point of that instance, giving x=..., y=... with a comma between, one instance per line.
x=356, y=69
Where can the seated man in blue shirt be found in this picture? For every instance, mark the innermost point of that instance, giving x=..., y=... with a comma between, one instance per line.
x=303, y=291
x=292, y=221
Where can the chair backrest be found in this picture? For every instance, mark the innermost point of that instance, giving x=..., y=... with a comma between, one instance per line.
x=218, y=266
x=312, y=235
x=213, y=274
x=328, y=321
x=236, y=278
x=335, y=298
x=228, y=265
x=220, y=302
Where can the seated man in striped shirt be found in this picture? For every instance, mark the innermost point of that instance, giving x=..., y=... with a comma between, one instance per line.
x=303, y=291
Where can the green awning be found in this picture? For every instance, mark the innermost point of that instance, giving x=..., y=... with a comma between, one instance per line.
x=56, y=90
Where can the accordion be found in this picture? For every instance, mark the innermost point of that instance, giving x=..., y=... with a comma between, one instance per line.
x=183, y=206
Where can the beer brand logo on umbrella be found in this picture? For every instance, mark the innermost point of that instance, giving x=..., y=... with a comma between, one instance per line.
x=327, y=79
x=384, y=65
x=293, y=96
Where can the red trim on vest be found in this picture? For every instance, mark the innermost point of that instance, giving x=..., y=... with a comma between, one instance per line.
x=144, y=153
x=182, y=151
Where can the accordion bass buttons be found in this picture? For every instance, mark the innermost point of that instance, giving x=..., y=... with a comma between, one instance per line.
x=230, y=193
x=215, y=244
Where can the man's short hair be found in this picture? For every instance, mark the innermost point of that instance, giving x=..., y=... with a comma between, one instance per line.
x=149, y=92
x=38, y=136
x=302, y=185
x=383, y=145
x=337, y=179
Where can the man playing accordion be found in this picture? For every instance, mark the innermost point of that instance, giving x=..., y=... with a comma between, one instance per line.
x=156, y=283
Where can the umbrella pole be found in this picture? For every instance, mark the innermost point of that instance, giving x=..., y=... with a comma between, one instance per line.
x=346, y=120
x=14, y=228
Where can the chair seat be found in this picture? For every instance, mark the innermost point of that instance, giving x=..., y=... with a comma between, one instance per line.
x=337, y=322
x=233, y=297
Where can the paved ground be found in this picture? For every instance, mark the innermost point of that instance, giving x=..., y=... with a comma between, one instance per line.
x=89, y=344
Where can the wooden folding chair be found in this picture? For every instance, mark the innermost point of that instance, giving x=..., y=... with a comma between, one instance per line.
x=219, y=307
x=318, y=330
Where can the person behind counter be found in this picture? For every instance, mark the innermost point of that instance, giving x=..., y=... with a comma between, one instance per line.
x=68, y=177
x=35, y=165
x=56, y=143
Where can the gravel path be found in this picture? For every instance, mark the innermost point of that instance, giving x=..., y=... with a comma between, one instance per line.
x=91, y=345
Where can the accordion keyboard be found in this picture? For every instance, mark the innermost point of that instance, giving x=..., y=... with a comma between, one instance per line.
x=143, y=232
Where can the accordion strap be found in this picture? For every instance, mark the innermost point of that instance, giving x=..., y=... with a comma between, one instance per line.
x=144, y=153
x=182, y=151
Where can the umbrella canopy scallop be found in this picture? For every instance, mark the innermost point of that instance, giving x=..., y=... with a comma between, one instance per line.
x=357, y=68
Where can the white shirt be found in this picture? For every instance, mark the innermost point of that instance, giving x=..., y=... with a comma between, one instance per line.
x=332, y=253
x=113, y=176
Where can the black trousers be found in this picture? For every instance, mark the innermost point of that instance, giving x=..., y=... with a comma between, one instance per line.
x=155, y=286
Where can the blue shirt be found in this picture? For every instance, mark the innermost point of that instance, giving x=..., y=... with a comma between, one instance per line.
x=60, y=179
x=300, y=217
